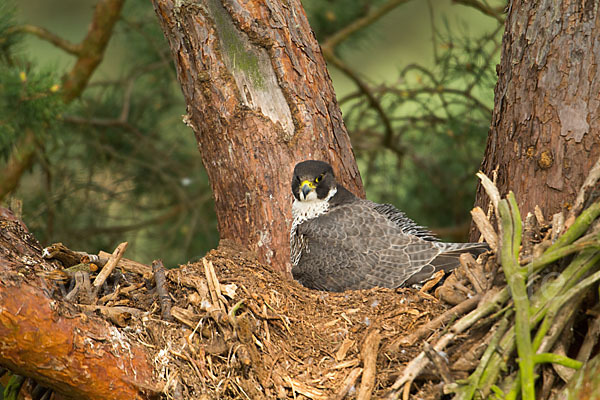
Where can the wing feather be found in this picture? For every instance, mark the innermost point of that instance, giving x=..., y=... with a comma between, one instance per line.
x=354, y=246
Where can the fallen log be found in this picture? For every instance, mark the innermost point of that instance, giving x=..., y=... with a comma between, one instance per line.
x=51, y=341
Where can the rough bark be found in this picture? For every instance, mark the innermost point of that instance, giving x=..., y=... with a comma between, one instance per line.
x=544, y=132
x=47, y=340
x=259, y=99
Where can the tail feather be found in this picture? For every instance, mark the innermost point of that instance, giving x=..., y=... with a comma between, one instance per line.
x=447, y=260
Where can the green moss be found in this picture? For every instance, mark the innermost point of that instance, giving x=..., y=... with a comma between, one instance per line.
x=242, y=58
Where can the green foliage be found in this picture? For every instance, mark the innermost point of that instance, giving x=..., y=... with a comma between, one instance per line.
x=123, y=166
x=28, y=96
x=28, y=100
x=8, y=38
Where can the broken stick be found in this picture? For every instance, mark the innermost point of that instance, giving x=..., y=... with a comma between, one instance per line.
x=109, y=267
x=161, y=288
x=369, y=357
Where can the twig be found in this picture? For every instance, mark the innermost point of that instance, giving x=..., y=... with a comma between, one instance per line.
x=539, y=308
x=82, y=285
x=528, y=238
x=539, y=215
x=558, y=225
x=118, y=315
x=485, y=227
x=214, y=287
x=369, y=358
x=484, y=8
x=414, y=368
x=576, y=291
x=347, y=384
x=557, y=359
x=334, y=40
x=437, y=322
x=60, y=252
x=591, y=338
x=578, y=227
x=126, y=265
x=44, y=34
x=440, y=363
x=584, y=194
x=161, y=288
x=308, y=391
x=490, y=189
x=109, y=267
x=469, y=264
x=467, y=392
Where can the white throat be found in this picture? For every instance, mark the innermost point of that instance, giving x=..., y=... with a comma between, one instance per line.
x=310, y=208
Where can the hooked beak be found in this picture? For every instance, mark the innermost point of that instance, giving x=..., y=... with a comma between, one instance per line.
x=306, y=187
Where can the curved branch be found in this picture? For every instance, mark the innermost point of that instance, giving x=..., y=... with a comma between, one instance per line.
x=364, y=88
x=332, y=41
x=484, y=8
x=92, y=47
x=48, y=36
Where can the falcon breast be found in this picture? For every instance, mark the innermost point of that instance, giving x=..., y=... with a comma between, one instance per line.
x=340, y=242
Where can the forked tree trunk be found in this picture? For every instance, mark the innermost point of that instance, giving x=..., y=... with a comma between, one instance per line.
x=545, y=131
x=259, y=99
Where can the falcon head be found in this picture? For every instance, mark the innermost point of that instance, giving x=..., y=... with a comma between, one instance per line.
x=313, y=180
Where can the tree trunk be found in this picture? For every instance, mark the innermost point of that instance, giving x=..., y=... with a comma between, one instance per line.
x=259, y=99
x=544, y=132
x=59, y=347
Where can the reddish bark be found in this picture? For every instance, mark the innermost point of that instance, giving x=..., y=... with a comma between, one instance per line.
x=259, y=99
x=78, y=356
x=544, y=134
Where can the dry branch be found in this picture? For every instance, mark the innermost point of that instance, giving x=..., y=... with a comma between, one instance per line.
x=109, y=267
x=437, y=322
x=485, y=227
x=369, y=358
x=440, y=363
x=348, y=383
x=161, y=289
x=127, y=265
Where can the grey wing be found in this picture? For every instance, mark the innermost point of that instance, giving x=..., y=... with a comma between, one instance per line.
x=407, y=225
x=356, y=247
x=447, y=260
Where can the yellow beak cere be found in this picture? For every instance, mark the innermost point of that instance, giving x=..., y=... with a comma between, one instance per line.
x=310, y=184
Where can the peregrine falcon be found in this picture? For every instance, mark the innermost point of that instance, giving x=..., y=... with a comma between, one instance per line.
x=340, y=242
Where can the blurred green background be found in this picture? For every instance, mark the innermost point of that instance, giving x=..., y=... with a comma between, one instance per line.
x=118, y=164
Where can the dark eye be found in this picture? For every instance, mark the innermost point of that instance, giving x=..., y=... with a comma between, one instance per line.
x=318, y=178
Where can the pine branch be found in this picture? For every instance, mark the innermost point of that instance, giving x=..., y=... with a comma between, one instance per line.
x=91, y=52
x=48, y=36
